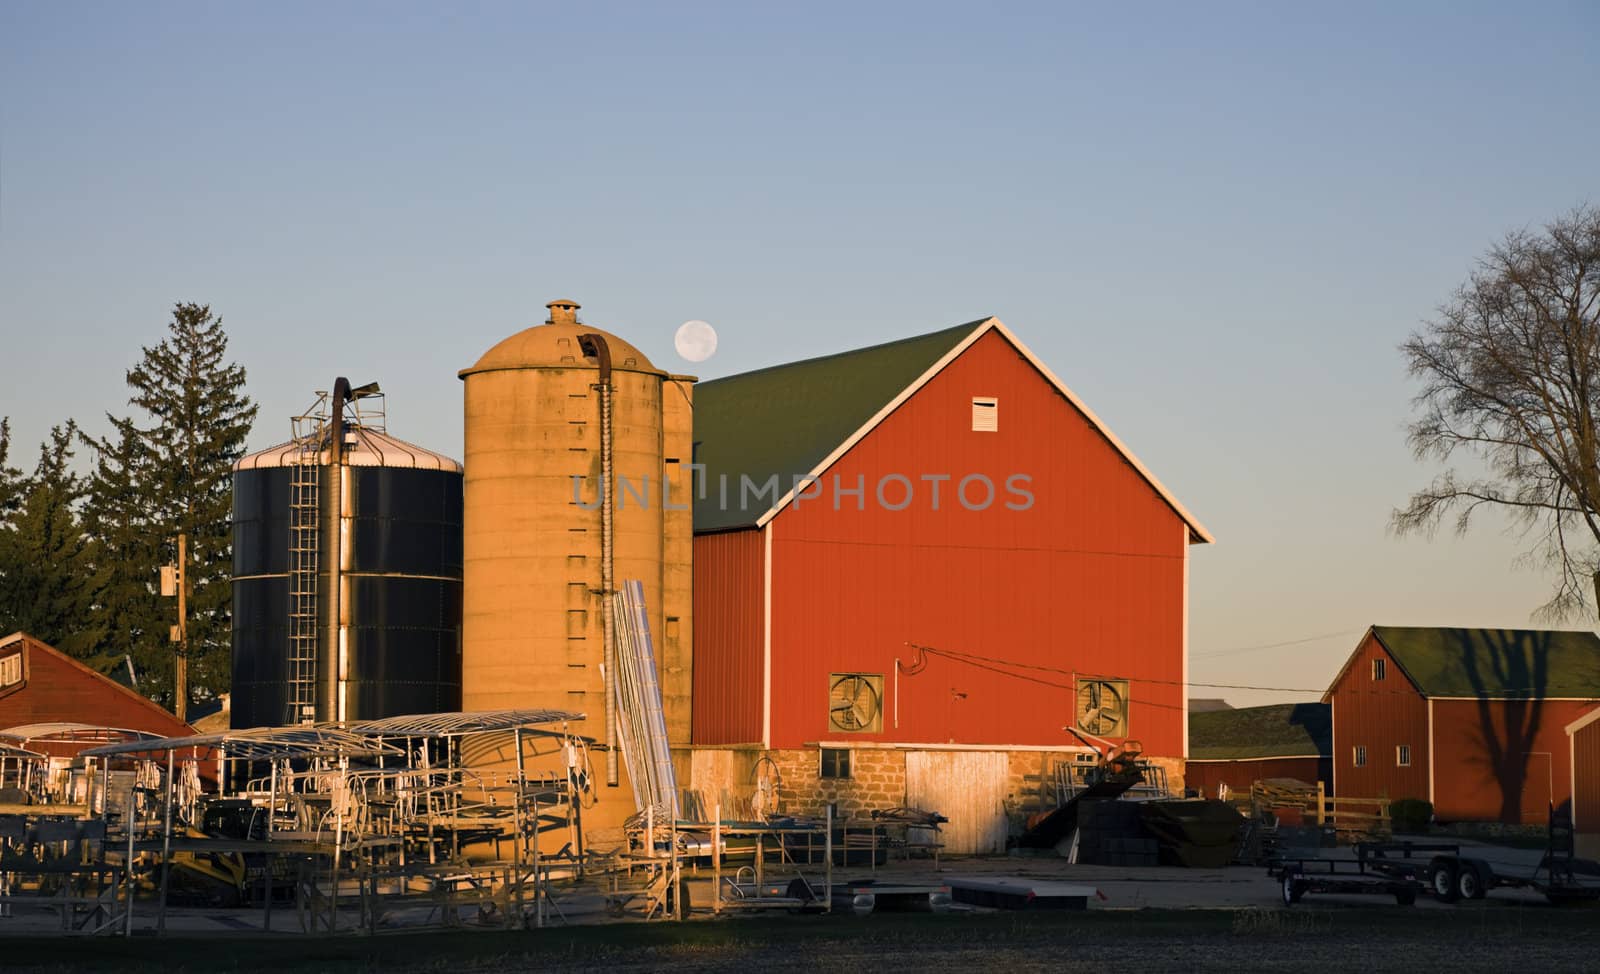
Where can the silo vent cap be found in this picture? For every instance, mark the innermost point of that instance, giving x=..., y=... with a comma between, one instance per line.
x=563, y=311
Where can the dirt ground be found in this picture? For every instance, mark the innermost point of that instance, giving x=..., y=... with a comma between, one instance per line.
x=1152, y=919
x=1339, y=938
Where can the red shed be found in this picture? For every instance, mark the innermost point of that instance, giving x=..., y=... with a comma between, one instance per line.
x=948, y=492
x=1583, y=737
x=41, y=685
x=1474, y=720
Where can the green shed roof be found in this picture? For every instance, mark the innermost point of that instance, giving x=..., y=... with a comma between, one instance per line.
x=1503, y=663
x=1286, y=730
x=786, y=419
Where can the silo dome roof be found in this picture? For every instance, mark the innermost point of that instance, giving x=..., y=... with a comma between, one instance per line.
x=555, y=346
x=362, y=448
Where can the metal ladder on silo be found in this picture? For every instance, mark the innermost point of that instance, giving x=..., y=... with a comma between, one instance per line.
x=305, y=522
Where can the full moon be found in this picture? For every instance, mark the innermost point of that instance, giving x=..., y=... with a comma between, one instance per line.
x=696, y=341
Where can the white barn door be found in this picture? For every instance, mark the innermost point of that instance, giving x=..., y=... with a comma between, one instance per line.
x=966, y=787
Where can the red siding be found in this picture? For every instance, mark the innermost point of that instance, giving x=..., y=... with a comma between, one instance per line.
x=1379, y=715
x=1239, y=775
x=1586, y=779
x=728, y=631
x=61, y=689
x=1502, y=760
x=1089, y=580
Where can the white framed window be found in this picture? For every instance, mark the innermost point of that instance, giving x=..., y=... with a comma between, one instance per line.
x=1361, y=755
x=1378, y=669
x=11, y=670
x=1402, y=755
x=985, y=414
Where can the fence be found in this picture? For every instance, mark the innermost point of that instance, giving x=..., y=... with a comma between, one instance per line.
x=1314, y=806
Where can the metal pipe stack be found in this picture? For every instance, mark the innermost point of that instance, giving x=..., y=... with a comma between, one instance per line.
x=641, y=722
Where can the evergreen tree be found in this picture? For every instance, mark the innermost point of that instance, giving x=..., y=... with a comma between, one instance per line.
x=170, y=471
x=10, y=497
x=50, y=586
x=128, y=554
x=10, y=477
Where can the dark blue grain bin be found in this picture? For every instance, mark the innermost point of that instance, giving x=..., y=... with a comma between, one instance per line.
x=395, y=646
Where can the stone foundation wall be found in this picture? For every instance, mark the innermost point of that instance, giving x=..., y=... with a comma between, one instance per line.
x=877, y=780
x=1174, y=767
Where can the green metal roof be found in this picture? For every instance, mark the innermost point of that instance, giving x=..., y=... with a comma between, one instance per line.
x=786, y=419
x=1504, y=663
x=1276, y=731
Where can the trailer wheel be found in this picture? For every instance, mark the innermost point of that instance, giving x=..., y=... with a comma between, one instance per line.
x=1405, y=897
x=1442, y=878
x=1469, y=885
x=1293, y=887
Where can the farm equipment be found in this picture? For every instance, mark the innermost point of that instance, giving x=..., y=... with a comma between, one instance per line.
x=1116, y=770
x=1200, y=833
x=1404, y=869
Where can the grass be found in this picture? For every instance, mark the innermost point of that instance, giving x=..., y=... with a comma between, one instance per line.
x=785, y=941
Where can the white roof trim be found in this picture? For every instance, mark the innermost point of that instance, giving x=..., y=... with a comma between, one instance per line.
x=1327, y=695
x=1583, y=721
x=902, y=746
x=1197, y=531
x=1272, y=757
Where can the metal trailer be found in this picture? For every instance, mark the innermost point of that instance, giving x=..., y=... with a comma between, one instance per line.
x=1353, y=876
x=866, y=896
x=1403, y=869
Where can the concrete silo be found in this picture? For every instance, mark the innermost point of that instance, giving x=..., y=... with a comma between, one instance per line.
x=346, y=572
x=552, y=413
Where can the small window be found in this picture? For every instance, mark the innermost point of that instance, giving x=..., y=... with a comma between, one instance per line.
x=1377, y=669
x=835, y=762
x=11, y=670
x=1361, y=755
x=985, y=414
x=1402, y=755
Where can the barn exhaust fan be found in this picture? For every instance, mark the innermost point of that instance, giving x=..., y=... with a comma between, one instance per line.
x=1103, y=707
x=855, y=702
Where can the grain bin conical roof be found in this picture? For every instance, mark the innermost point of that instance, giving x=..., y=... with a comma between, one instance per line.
x=363, y=447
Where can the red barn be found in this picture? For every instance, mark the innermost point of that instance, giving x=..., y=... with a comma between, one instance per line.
x=1240, y=747
x=1474, y=720
x=916, y=562
x=40, y=685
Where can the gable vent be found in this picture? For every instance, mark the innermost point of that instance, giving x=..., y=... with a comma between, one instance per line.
x=985, y=414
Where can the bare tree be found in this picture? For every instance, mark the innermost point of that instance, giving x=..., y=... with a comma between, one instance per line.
x=1510, y=369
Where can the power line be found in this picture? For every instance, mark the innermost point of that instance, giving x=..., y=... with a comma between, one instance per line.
x=1288, y=642
x=995, y=665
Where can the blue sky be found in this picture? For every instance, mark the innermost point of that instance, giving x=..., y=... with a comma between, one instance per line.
x=1215, y=225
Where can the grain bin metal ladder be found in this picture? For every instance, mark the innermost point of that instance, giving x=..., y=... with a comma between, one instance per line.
x=305, y=523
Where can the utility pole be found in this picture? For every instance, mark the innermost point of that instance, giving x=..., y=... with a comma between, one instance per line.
x=175, y=581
